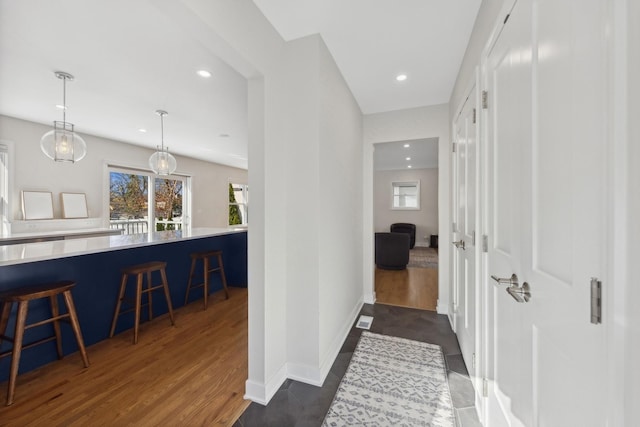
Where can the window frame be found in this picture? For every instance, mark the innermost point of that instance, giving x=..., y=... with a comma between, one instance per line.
x=244, y=207
x=151, y=196
x=6, y=182
x=400, y=184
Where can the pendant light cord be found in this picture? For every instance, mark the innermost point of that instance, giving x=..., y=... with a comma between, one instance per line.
x=64, y=100
x=162, y=131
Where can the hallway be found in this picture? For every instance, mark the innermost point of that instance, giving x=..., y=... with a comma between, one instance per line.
x=299, y=404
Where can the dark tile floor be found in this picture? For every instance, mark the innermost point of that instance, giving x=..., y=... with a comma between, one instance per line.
x=302, y=405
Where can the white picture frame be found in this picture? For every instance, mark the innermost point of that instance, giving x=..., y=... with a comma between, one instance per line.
x=37, y=205
x=74, y=205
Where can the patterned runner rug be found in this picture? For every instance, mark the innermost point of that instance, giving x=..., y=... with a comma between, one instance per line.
x=393, y=381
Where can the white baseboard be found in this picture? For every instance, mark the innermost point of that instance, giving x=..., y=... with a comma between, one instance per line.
x=262, y=393
x=316, y=375
x=370, y=298
x=336, y=344
x=442, y=307
x=422, y=244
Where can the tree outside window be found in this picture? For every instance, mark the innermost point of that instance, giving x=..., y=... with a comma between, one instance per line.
x=238, y=204
x=130, y=198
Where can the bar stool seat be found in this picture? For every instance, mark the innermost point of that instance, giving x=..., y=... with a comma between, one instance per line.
x=206, y=256
x=140, y=271
x=22, y=296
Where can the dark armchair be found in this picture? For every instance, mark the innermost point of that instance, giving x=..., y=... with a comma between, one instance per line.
x=410, y=229
x=392, y=250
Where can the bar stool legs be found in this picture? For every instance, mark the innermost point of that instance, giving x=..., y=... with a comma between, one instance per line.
x=22, y=298
x=207, y=270
x=140, y=271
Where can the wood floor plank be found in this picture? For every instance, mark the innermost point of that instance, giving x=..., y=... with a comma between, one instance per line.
x=411, y=287
x=190, y=374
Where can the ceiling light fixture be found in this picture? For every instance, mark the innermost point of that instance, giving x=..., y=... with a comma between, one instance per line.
x=409, y=167
x=142, y=130
x=204, y=73
x=401, y=77
x=62, y=144
x=161, y=162
x=406, y=145
x=408, y=158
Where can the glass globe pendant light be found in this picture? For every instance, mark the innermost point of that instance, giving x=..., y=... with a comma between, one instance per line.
x=162, y=162
x=62, y=144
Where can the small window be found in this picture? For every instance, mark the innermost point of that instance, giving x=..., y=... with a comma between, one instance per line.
x=238, y=204
x=405, y=195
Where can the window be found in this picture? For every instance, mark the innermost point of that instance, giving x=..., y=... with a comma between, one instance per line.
x=141, y=201
x=238, y=204
x=405, y=195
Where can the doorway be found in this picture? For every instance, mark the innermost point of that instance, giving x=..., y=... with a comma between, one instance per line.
x=405, y=191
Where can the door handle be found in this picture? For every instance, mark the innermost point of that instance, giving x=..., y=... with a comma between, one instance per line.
x=520, y=294
x=459, y=244
x=511, y=281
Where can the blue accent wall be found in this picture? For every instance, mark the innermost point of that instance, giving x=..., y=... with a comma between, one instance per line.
x=97, y=278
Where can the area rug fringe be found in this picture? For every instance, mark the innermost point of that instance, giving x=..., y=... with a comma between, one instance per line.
x=393, y=381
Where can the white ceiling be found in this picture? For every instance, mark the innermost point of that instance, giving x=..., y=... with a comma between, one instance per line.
x=420, y=154
x=130, y=58
x=372, y=41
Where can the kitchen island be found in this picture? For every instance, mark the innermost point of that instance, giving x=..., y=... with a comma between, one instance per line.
x=94, y=263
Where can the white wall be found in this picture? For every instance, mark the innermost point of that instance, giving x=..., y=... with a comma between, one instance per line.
x=340, y=213
x=425, y=219
x=485, y=22
x=294, y=92
x=34, y=171
x=631, y=374
x=414, y=123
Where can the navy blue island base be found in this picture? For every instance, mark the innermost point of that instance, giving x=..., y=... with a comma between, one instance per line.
x=97, y=277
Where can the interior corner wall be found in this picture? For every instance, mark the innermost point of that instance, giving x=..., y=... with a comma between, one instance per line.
x=32, y=170
x=414, y=123
x=238, y=33
x=302, y=209
x=425, y=219
x=484, y=24
x=340, y=209
x=631, y=323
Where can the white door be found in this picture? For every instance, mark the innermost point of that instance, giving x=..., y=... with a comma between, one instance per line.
x=464, y=237
x=546, y=133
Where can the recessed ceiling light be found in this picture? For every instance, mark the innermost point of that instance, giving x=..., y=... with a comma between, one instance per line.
x=61, y=107
x=204, y=73
x=224, y=135
x=401, y=77
x=408, y=158
x=142, y=130
x=409, y=167
x=406, y=145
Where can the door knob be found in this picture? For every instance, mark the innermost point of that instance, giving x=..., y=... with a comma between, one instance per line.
x=520, y=294
x=459, y=244
x=511, y=281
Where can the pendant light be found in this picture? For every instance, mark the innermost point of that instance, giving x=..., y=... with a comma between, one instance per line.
x=161, y=162
x=62, y=144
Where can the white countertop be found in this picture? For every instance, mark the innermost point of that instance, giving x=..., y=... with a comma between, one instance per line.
x=30, y=252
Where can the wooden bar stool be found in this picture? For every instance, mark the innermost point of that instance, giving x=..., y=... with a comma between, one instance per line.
x=206, y=256
x=22, y=296
x=140, y=271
